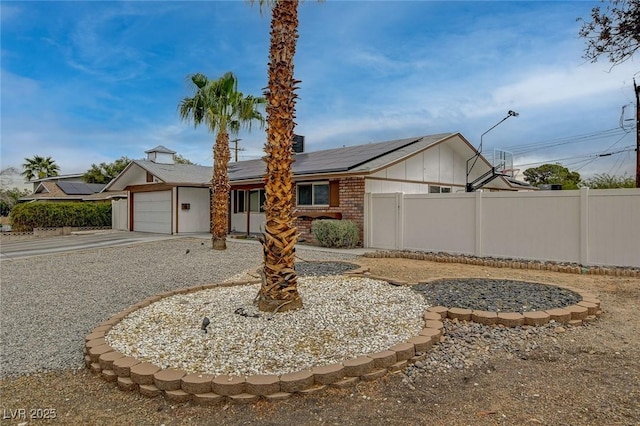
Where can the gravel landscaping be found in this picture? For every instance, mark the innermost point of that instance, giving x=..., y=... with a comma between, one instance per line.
x=493, y=295
x=50, y=303
x=478, y=374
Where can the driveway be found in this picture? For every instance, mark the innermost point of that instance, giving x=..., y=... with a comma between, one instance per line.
x=48, y=245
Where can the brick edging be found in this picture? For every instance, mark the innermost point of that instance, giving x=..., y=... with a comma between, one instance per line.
x=586, y=310
x=177, y=385
x=508, y=263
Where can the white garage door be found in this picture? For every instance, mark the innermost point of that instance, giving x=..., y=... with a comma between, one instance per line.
x=152, y=212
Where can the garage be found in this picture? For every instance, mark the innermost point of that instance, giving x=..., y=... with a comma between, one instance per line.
x=152, y=212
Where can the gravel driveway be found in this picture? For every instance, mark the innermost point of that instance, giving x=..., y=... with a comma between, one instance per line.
x=50, y=303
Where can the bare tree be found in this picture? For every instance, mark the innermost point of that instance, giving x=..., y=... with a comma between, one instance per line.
x=613, y=31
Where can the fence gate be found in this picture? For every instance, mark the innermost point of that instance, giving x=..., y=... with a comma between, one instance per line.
x=119, y=215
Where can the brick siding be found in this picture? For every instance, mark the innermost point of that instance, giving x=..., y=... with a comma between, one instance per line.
x=351, y=206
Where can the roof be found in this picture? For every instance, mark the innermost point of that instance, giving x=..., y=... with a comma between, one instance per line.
x=73, y=176
x=357, y=158
x=177, y=173
x=63, y=190
x=80, y=188
x=160, y=148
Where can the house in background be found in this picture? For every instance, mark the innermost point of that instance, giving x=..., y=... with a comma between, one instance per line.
x=165, y=197
x=63, y=188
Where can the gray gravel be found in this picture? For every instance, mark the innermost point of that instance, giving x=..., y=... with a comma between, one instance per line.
x=467, y=344
x=50, y=303
x=496, y=295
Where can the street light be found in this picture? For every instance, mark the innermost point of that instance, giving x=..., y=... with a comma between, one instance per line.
x=510, y=113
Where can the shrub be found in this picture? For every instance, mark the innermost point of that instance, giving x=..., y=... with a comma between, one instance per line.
x=26, y=216
x=335, y=233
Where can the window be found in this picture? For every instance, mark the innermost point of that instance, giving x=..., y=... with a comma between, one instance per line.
x=313, y=194
x=256, y=201
x=436, y=189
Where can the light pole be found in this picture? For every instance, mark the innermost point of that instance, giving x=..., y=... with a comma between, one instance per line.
x=510, y=113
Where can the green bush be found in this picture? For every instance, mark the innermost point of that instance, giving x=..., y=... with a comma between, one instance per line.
x=335, y=233
x=26, y=216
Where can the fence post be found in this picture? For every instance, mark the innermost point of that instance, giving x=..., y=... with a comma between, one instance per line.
x=367, y=219
x=400, y=221
x=584, y=226
x=478, y=224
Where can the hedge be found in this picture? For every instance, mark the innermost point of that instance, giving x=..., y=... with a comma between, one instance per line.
x=26, y=216
x=335, y=233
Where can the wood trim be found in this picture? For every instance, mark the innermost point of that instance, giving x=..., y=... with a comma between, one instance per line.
x=245, y=187
x=150, y=188
x=334, y=193
x=318, y=215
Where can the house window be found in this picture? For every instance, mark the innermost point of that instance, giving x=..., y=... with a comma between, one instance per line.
x=256, y=201
x=313, y=194
x=436, y=189
x=239, y=202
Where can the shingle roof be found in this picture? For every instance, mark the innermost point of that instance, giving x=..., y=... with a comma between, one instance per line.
x=350, y=159
x=160, y=148
x=177, y=173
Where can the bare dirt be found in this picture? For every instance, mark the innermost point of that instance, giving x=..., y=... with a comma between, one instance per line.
x=588, y=375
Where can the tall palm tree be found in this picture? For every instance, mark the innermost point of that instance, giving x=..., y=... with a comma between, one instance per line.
x=219, y=105
x=39, y=167
x=279, y=290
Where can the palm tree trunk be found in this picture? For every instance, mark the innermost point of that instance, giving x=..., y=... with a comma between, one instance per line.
x=279, y=290
x=220, y=196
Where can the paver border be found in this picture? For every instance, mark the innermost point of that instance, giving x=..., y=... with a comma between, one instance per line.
x=130, y=374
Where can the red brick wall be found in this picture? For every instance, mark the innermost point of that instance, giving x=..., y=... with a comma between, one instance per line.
x=351, y=206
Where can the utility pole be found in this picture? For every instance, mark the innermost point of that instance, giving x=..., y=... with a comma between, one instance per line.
x=236, y=149
x=637, y=90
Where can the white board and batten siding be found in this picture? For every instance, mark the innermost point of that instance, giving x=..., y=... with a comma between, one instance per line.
x=442, y=163
x=152, y=212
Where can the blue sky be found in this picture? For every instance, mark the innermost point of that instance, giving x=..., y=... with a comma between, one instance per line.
x=87, y=82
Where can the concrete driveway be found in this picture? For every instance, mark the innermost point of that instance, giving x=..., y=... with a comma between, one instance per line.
x=81, y=241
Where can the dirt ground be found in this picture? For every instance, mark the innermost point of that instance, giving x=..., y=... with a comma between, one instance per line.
x=589, y=375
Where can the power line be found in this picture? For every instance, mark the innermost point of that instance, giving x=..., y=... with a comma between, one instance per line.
x=587, y=137
x=595, y=155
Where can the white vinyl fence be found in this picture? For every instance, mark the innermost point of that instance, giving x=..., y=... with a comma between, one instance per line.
x=589, y=227
x=120, y=215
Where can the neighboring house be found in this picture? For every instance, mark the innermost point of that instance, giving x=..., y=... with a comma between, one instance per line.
x=62, y=190
x=76, y=177
x=174, y=198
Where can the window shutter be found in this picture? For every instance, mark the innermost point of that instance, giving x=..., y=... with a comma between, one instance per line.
x=334, y=193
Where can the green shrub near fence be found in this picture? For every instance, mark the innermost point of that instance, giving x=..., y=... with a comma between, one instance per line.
x=335, y=233
x=26, y=216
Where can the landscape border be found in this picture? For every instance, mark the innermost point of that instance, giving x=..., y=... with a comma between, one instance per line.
x=131, y=374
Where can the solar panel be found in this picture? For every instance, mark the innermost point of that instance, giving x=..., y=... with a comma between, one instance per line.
x=80, y=188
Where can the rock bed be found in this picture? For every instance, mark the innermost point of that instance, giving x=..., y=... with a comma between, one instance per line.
x=315, y=269
x=496, y=295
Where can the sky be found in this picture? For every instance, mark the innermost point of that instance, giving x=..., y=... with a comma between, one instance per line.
x=90, y=82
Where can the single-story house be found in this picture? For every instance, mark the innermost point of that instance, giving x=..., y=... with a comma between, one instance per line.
x=61, y=189
x=174, y=198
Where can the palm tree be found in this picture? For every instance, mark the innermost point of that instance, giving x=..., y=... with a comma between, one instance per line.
x=219, y=105
x=39, y=167
x=279, y=290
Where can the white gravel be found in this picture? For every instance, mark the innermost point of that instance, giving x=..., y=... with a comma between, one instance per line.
x=342, y=318
x=48, y=304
